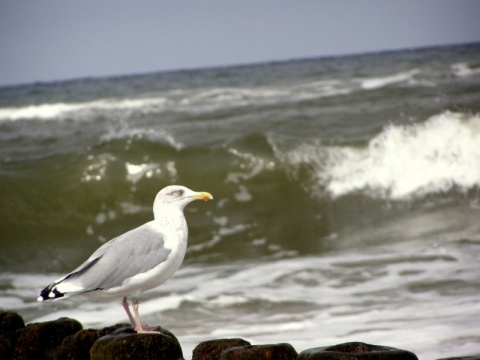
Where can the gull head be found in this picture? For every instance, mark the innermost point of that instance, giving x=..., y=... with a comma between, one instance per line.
x=178, y=196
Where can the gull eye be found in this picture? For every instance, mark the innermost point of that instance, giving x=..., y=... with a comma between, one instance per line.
x=177, y=193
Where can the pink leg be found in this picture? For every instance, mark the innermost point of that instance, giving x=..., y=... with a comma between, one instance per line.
x=126, y=306
x=139, y=328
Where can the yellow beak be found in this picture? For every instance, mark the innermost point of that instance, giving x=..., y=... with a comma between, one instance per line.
x=202, y=195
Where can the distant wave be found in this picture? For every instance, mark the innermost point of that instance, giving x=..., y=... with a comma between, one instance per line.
x=464, y=69
x=84, y=110
x=44, y=111
x=376, y=83
x=401, y=162
x=203, y=100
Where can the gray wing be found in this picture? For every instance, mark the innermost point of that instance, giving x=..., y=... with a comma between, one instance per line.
x=132, y=253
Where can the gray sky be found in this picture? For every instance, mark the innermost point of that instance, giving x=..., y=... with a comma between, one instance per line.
x=45, y=40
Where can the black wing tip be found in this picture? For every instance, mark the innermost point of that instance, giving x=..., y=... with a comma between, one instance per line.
x=50, y=293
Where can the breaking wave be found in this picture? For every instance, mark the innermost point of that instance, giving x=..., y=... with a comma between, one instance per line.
x=401, y=162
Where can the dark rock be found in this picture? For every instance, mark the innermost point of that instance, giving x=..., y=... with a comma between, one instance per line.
x=260, y=352
x=356, y=351
x=6, y=345
x=36, y=339
x=212, y=349
x=10, y=321
x=78, y=345
x=123, y=330
x=126, y=344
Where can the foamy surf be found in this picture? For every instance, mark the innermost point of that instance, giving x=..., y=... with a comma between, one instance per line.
x=367, y=295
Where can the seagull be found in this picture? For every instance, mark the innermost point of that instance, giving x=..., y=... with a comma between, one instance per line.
x=138, y=260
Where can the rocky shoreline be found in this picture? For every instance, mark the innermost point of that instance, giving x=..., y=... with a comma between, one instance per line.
x=66, y=339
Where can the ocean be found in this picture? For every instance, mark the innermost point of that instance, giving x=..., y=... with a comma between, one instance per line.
x=346, y=197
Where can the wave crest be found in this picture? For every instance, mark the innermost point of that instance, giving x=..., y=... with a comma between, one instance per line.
x=402, y=162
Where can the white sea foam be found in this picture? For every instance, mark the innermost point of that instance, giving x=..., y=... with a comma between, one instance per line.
x=401, y=162
x=59, y=111
x=43, y=111
x=376, y=83
x=137, y=172
x=321, y=89
x=208, y=100
x=125, y=132
x=465, y=69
